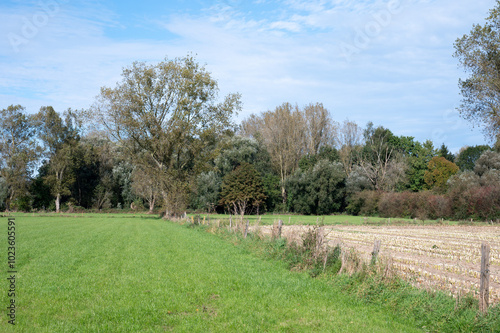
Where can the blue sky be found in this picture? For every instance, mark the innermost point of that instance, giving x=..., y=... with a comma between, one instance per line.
x=388, y=61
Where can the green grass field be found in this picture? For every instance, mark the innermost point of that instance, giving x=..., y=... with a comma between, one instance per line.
x=269, y=219
x=142, y=274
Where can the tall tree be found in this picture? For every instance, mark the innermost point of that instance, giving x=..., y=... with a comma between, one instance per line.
x=319, y=128
x=379, y=160
x=350, y=141
x=468, y=156
x=479, y=54
x=444, y=152
x=19, y=151
x=167, y=114
x=283, y=133
x=59, y=138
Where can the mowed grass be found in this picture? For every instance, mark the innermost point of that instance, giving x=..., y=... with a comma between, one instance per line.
x=126, y=274
x=269, y=219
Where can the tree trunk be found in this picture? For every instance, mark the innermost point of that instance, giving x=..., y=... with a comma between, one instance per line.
x=152, y=205
x=165, y=200
x=58, y=202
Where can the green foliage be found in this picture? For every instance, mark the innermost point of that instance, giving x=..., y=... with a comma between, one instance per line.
x=466, y=159
x=479, y=54
x=307, y=162
x=242, y=189
x=236, y=150
x=22, y=204
x=167, y=118
x=364, y=203
x=19, y=151
x=488, y=161
x=444, y=152
x=4, y=191
x=418, y=161
x=272, y=190
x=208, y=186
x=320, y=191
x=40, y=191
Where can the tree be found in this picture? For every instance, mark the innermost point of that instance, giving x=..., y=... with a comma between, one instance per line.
x=444, y=152
x=467, y=157
x=417, y=156
x=206, y=196
x=238, y=149
x=166, y=116
x=242, y=189
x=479, y=55
x=145, y=186
x=379, y=161
x=19, y=151
x=349, y=141
x=318, y=191
x=283, y=133
x=319, y=128
x=438, y=173
x=489, y=160
x=59, y=139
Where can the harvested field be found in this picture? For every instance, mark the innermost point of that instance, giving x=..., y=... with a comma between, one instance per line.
x=433, y=257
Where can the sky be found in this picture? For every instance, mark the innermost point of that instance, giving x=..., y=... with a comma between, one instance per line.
x=389, y=61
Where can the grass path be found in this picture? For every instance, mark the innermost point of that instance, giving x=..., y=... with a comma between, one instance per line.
x=129, y=274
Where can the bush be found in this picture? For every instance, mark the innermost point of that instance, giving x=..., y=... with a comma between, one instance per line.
x=422, y=205
x=22, y=204
x=364, y=203
x=480, y=202
x=393, y=204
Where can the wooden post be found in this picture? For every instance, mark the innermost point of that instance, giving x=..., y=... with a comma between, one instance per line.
x=246, y=228
x=230, y=221
x=280, y=225
x=320, y=235
x=376, y=250
x=484, y=284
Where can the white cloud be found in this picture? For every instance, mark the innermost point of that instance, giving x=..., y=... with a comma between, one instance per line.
x=403, y=78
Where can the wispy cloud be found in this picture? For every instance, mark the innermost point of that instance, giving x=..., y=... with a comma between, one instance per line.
x=399, y=73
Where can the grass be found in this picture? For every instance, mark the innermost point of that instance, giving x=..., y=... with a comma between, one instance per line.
x=142, y=274
x=290, y=219
x=434, y=311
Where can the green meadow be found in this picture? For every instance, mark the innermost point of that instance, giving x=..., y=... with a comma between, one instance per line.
x=290, y=219
x=126, y=273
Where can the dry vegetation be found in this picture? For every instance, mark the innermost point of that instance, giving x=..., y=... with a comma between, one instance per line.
x=432, y=257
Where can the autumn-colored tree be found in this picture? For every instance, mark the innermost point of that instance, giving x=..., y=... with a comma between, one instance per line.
x=242, y=189
x=439, y=170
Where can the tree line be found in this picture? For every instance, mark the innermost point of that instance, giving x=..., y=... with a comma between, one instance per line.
x=163, y=139
x=290, y=159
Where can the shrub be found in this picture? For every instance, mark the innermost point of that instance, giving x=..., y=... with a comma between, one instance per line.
x=364, y=203
x=397, y=204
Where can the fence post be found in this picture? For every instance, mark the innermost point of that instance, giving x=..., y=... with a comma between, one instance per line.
x=246, y=228
x=280, y=225
x=320, y=235
x=484, y=284
x=376, y=250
